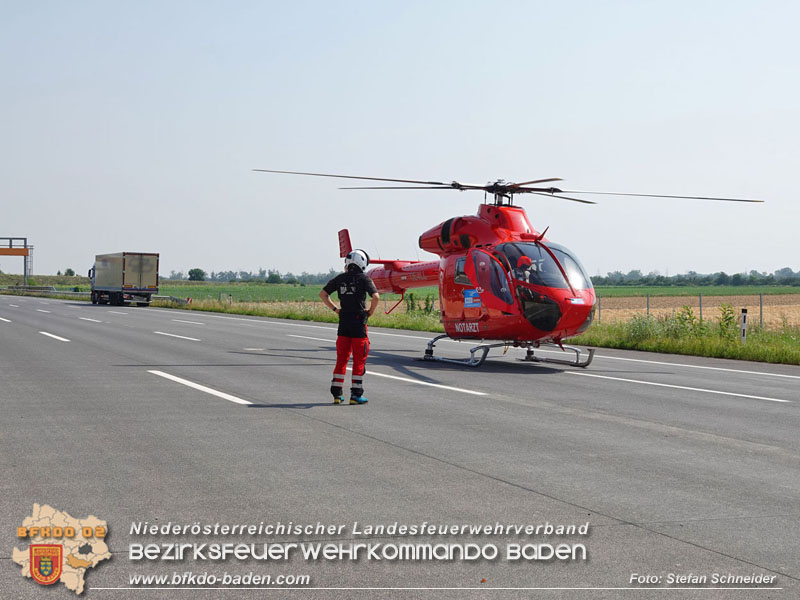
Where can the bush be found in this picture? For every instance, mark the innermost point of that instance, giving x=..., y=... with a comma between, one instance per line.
x=727, y=322
x=413, y=305
x=411, y=302
x=641, y=327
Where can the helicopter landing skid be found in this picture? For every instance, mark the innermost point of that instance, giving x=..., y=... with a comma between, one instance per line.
x=472, y=361
x=529, y=357
x=482, y=350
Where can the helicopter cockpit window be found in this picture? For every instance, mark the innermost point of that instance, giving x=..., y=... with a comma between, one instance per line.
x=531, y=263
x=460, y=276
x=575, y=271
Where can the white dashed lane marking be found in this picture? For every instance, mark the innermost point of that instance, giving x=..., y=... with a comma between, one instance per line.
x=55, y=337
x=183, y=337
x=199, y=387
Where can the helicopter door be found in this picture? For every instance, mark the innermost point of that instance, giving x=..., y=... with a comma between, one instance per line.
x=491, y=281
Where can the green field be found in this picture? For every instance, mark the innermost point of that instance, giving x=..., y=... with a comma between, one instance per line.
x=259, y=292
x=240, y=292
x=281, y=292
x=268, y=292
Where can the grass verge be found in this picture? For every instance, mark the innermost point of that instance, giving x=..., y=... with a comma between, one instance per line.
x=312, y=311
x=683, y=333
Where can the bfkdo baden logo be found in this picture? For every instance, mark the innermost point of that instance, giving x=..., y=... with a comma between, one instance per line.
x=46, y=562
x=62, y=547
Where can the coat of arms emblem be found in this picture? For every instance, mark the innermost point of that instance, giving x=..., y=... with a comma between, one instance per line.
x=46, y=562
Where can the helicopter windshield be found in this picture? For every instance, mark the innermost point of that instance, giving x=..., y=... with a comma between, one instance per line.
x=532, y=263
x=575, y=271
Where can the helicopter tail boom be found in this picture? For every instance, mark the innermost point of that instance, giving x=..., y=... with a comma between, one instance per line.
x=397, y=276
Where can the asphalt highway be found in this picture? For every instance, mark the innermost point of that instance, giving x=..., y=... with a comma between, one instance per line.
x=682, y=466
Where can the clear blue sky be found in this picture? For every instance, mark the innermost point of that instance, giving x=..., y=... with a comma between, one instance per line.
x=135, y=125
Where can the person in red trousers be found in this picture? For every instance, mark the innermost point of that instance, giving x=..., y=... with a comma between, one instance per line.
x=353, y=286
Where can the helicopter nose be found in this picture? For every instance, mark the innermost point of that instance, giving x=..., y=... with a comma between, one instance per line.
x=587, y=321
x=578, y=313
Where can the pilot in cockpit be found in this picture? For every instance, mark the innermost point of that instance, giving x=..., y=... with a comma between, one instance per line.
x=524, y=268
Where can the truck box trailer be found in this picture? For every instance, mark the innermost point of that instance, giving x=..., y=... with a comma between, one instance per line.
x=124, y=277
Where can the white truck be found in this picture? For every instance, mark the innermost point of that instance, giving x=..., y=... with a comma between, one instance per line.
x=124, y=277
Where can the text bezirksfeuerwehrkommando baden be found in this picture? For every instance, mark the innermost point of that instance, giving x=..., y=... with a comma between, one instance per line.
x=275, y=550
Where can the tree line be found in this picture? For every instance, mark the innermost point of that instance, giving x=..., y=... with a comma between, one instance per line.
x=260, y=276
x=783, y=276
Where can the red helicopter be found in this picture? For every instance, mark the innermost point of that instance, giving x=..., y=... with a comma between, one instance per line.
x=499, y=279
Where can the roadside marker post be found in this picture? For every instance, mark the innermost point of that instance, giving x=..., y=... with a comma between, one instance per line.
x=744, y=326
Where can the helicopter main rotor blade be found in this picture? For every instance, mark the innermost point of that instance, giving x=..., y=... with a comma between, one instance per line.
x=501, y=188
x=663, y=196
x=444, y=183
x=451, y=186
x=400, y=187
x=549, y=195
x=516, y=185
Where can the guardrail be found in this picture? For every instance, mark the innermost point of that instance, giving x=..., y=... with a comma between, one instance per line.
x=51, y=291
x=32, y=288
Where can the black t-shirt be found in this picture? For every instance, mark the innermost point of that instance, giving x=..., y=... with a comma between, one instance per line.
x=353, y=289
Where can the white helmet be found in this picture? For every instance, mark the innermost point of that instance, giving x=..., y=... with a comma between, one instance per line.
x=358, y=258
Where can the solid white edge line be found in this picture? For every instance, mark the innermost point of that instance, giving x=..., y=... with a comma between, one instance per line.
x=114, y=312
x=88, y=319
x=14, y=305
x=183, y=337
x=55, y=337
x=678, y=387
x=199, y=387
x=6, y=320
x=40, y=310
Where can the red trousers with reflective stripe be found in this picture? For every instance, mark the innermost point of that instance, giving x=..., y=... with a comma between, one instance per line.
x=359, y=348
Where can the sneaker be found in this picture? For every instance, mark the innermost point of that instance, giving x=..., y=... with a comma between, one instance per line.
x=358, y=400
x=337, y=399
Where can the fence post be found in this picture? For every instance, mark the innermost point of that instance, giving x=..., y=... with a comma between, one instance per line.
x=744, y=326
x=701, y=306
x=761, y=310
x=648, y=305
x=599, y=307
